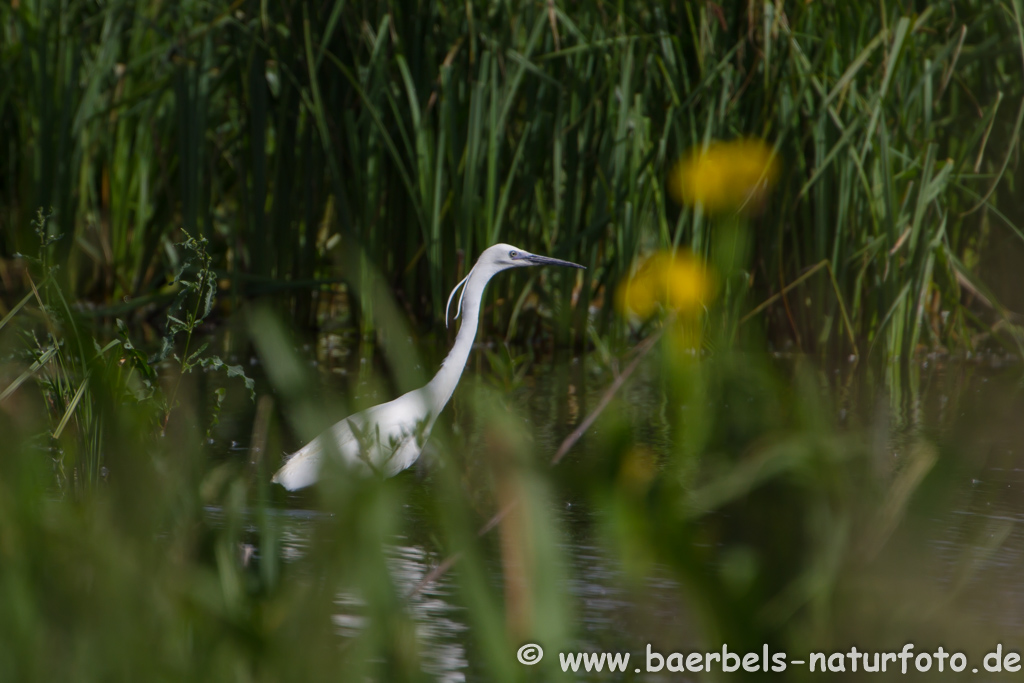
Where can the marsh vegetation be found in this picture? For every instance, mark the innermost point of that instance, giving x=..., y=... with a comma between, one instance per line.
x=780, y=407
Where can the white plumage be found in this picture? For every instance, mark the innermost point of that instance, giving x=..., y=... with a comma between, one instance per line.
x=389, y=437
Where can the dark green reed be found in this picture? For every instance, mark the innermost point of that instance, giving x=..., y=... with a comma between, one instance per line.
x=418, y=134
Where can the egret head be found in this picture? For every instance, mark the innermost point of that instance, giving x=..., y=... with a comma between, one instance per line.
x=501, y=257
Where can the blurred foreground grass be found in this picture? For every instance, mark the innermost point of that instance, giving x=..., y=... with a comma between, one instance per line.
x=786, y=506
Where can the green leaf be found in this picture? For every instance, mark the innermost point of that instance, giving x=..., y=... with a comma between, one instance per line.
x=215, y=363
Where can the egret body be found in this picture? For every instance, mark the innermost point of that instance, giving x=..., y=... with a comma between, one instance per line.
x=388, y=438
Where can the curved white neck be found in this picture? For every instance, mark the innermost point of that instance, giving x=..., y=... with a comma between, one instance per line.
x=447, y=378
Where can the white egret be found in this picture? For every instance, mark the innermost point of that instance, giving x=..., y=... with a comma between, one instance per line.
x=388, y=438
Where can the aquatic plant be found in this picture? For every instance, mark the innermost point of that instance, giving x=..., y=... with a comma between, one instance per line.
x=726, y=176
x=286, y=134
x=677, y=281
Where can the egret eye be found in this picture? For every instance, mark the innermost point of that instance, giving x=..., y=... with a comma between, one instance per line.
x=513, y=253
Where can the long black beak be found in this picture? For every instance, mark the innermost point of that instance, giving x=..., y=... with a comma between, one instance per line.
x=548, y=261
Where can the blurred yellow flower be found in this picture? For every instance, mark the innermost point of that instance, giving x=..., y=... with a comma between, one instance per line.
x=678, y=281
x=727, y=176
x=638, y=469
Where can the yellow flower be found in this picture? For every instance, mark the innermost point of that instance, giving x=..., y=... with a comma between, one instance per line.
x=727, y=176
x=678, y=281
x=638, y=469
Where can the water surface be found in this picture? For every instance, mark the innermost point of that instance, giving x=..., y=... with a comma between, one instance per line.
x=952, y=568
